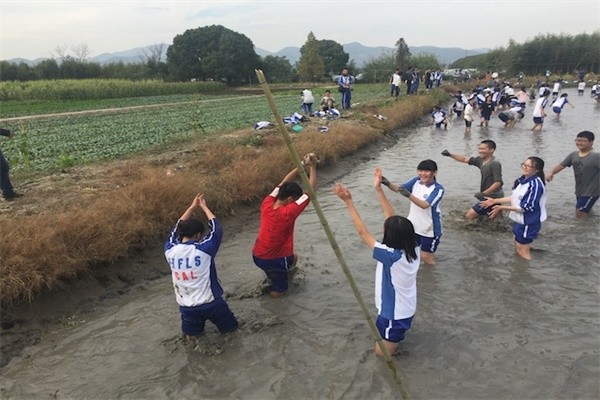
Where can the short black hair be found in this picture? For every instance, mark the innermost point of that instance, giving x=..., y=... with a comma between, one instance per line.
x=190, y=227
x=489, y=143
x=289, y=189
x=427, y=165
x=586, y=135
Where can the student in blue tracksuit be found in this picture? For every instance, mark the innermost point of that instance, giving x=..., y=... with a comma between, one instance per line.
x=191, y=255
x=527, y=205
x=425, y=194
x=397, y=258
x=345, y=82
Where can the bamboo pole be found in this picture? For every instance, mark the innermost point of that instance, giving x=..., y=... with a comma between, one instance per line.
x=304, y=177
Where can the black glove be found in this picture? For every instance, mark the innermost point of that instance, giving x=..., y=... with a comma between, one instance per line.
x=384, y=181
x=403, y=191
x=446, y=153
x=480, y=196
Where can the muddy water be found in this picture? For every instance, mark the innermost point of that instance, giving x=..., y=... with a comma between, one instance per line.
x=488, y=325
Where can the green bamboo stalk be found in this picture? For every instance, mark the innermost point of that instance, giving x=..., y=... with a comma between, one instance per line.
x=332, y=241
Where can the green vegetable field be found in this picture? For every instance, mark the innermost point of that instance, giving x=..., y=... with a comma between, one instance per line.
x=52, y=143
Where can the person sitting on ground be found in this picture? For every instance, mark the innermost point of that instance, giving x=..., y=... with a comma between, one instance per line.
x=273, y=251
x=327, y=101
x=398, y=259
x=191, y=256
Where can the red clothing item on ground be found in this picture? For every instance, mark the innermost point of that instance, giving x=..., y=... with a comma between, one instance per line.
x=276, y=234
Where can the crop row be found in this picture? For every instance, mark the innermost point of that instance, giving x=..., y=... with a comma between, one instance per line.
x=18, y=108
x=85, y=89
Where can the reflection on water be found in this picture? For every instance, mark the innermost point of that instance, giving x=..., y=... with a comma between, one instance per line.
x=488, y=324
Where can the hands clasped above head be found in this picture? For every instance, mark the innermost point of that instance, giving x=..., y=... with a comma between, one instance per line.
x=310, y=159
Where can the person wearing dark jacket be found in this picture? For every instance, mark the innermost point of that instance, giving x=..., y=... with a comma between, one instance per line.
x=7, y=189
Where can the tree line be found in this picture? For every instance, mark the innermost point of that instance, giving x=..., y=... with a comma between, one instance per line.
x=216, y=53
x=558, y=54
x=210, y=53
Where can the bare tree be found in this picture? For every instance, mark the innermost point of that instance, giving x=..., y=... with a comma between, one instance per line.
x=61, y=52
x=82, y=51
x=153, y=53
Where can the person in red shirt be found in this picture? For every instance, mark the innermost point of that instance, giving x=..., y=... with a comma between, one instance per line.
x=273, y=251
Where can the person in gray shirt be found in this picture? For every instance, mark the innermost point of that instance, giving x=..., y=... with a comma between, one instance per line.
x=586, y=168
x=491, y=176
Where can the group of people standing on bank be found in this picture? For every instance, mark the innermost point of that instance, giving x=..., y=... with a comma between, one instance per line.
x=412, y=79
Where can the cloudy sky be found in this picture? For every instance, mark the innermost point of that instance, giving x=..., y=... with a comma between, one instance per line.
x=31, y=29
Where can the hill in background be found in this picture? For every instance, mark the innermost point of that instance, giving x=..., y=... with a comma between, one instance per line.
x=362, y=54
x=359, y=53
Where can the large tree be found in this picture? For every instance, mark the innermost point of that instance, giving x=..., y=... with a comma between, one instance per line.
x=379, y=69
x=402, y=54
x=334, y=56
x=212, y=52
x=311, y=66
x=277, y=69
x=425, y=61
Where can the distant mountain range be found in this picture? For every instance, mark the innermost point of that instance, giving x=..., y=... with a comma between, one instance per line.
x=359, y=53
x=362, y=54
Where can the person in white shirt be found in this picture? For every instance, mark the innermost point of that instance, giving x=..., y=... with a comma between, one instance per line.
x=307, y=101
x=191, y=256
x=581, y=88
x=555, y=89
x=527, y=205
x=538, y=111
x=559, y=104
x=395, y=83
x=398, y=259
x=469, y=114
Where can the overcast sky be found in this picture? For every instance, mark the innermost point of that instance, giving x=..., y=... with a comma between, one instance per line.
x=31, y=29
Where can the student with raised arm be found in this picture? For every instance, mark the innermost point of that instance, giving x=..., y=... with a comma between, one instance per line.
x=527, y=205
x=273, y=251
x=491, y=175
x=191, y=255
x=425, y=194
x=397, y=257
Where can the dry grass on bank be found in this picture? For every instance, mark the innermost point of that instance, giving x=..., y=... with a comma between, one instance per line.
x=145, y=197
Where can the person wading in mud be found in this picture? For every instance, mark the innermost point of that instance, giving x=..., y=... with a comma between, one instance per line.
x=191, y=255
x=398, y=259
x=273, y=251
